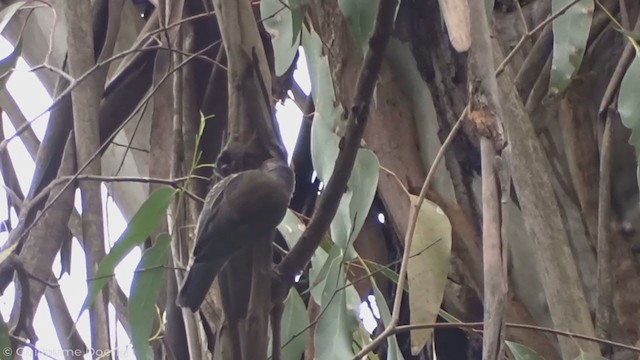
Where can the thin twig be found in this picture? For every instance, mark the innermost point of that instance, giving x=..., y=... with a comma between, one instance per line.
x=604, y=284
x=26, y=343
x=479, y=325
x=175, y=183
x=16, y=262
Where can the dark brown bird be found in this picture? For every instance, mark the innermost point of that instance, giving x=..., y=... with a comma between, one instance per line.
x=240, y=209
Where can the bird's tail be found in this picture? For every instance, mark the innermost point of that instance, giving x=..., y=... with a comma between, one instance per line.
x=197, y=283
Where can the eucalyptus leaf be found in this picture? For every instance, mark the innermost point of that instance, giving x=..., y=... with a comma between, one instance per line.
x=298, y=10
x=361, y=16
x=144, y=221
x=570, y=35
x=321, y=262
x=342, y=225
x=324, y=150
x=145, y=289
x=291, y=228
x=628, y=104
x=521, y=352
x=363, y=183
x=294, y=326
x=427, y=269
x=321, y=82
x=333, y=334
x=277, y=21
x=394, y=352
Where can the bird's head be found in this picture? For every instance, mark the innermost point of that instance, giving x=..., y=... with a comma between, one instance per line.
x=237, y=157
x=224, y=165
x=279, y=169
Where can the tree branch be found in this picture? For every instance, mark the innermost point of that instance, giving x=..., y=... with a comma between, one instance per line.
x=479, y=325
x=604, y=297
x=86, y=104
x=301, y=253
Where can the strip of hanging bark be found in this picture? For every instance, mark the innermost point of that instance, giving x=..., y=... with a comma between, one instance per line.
x=604, y=306
x=581, y=150
x=541, y=213
x=86, y=105
x=485, y=114
x=179, y=244
x=161, y=134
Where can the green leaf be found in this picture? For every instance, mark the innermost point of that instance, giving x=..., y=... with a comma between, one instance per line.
x=361, y=16
x=393, y=352
x=145, y=288
x=321, y=262
x=8, y=64
x=278, y=22
x=361, y=187
x=324, y=150
x=6, y=351
x=362, y=338
x=584, y=356
x=363, y=183
x=298, y=10
x=333, y=334
x=570, y=35
x=145, y=220
x=355, y=203
x=629, y=106
x=291, y=228
x=448, y=317
x=427, y=269
x=521, y=352
x=7, y=13
x=295, y=326
x=321, y=82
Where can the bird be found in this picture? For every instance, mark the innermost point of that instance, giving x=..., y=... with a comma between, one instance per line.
x=238, y=210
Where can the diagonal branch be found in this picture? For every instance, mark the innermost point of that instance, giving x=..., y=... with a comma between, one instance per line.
x=301, y=253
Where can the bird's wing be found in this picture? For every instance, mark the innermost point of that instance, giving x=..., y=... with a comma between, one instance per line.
x=211, y=209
